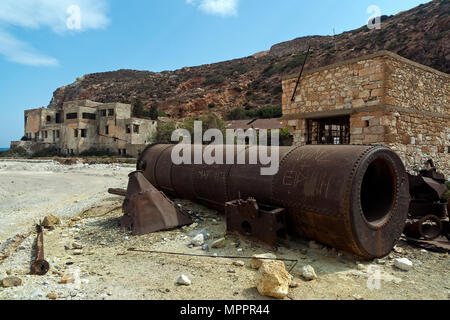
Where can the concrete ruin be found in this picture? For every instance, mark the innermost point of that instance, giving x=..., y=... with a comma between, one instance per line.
x=380, y=98
x=83, y=125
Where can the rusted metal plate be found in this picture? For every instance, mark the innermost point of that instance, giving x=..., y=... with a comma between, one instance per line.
x=147, y=210
x=256, y=222
x=439, y=245
x=354, y=198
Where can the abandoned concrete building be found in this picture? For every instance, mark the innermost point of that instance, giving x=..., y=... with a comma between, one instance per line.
x=82, y=125
x=380, y=98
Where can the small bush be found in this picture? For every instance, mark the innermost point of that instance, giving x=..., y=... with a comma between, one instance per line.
x=18, y=152
x=45, y=153
x=95, y=152
x=237, y=114
x=214, y=80
x=164, y=133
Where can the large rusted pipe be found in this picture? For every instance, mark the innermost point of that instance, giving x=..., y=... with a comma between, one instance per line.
x=353, y=198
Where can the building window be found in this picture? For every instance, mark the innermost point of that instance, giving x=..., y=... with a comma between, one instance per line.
x=70, y=116
x=75, y=133
x=110, y=112
x=120, y=152
x=89, y=116
x=128, y=128
x=124, y=152
x=49, y=119
x=58, y=118
x=103, y=113
x=136, y=129
x=107, y=130
x=26, y=119
x=83, y=133
x=45, y=134
x=329, y=131
x=57, y=134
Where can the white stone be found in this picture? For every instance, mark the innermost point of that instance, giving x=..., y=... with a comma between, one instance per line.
x=198, y=240
x=183, y=280
x=258, y=259
x=403, y=264
x=309, y=273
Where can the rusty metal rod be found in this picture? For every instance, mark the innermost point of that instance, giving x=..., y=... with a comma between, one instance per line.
x=117, y=192
x=40, y=266
x=351, y=197
x=295, y=262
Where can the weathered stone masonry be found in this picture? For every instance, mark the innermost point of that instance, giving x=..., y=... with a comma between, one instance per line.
x=81, y=125
x=389, y=100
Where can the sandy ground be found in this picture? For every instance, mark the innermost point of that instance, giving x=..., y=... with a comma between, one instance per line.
x=30, y=190
x=106, y=270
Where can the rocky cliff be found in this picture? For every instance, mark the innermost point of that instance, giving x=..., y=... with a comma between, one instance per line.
x=421, y=34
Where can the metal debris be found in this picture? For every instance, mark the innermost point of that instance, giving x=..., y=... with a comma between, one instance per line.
x=147, y=210
x=294, y=262
x=40, y=266
x=428, y=214
x=255, y=222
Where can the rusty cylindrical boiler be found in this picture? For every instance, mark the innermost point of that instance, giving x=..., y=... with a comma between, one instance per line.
x=353, y=198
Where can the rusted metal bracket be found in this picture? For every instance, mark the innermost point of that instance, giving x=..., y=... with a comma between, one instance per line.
x=148, y=210
x=40, y=266
x=256, y=222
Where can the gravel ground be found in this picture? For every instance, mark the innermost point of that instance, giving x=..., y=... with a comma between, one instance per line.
x=30, y=190
x=105, y=269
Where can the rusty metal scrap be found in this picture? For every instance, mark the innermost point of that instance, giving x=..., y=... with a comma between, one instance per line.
x=428, y=214
x=147, y=210
x=40, y=266
x=353, y=198
x=256, y=222
x=428, y=228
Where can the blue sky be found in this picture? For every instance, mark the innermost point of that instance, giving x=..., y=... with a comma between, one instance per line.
x=45, y=44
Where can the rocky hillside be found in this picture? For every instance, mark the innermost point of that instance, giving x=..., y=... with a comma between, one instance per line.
x=421, y=34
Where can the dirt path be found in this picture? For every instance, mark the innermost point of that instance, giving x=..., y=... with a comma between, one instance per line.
x=106, y=270
x=30, y=190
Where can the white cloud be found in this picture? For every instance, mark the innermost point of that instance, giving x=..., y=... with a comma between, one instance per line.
x=20, y=52
x=216, y=7
x=53, y=14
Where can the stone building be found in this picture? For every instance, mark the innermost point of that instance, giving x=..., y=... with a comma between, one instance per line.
x=82, y=125
x=380, y=98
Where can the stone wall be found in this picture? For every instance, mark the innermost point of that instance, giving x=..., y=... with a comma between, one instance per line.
x=390, y=100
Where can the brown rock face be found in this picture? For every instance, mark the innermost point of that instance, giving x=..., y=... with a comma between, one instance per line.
x=420, y=34
x=273, y=280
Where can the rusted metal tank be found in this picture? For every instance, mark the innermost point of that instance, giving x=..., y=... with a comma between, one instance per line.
x=353, y=198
